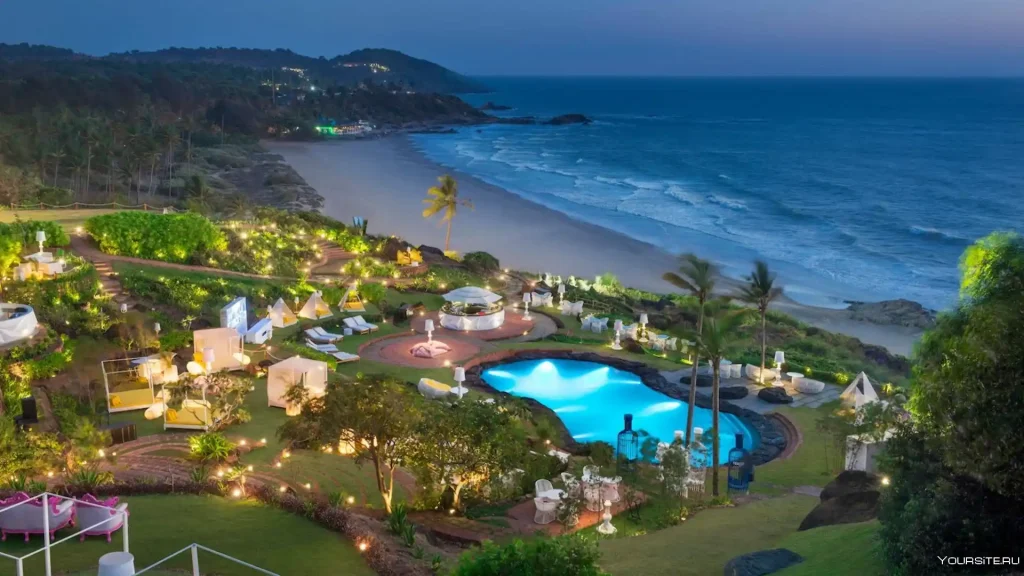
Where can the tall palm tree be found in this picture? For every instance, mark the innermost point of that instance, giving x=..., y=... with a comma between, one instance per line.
x=445, y=198
x=57, y=153
x=719, y=338
x=760, y=291
x=697, y=277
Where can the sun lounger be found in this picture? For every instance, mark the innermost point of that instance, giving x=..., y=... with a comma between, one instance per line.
x=325, y=335
x=344, y=357
x=356, y=327
x=364, y=323
x=325, y=348
x=316, y=336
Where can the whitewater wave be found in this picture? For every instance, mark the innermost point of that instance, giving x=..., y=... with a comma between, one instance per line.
x=730, y=203
x=937, y=234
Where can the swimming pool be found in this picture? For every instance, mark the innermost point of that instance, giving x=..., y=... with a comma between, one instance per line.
x=591, y=398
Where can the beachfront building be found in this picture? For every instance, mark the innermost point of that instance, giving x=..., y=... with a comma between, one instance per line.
x=351, y=129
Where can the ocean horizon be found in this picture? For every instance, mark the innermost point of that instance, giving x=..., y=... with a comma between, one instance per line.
x=851, y=189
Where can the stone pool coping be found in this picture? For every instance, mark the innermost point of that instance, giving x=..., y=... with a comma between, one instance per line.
x=773, y=437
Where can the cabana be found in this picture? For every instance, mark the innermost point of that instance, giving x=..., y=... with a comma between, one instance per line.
x=311, y=374
x=131, y=383
x=315, y=308
x=351, y=302
x=859, y=392
x=281, y=315
x=191, y=414
x=17, y=322
x=225, y=347
x=472, y=308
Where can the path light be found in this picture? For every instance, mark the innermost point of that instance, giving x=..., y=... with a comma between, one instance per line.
x=236, y=492
x=527, y=298
x=428, y=327
x=885, y=480
x=282, y=489
x=780, y=359
x=264, y=440
x=241, y=442
x=643, y=326
x=561, y=293
x=41, y=238
x=460, y=377
x=351, y=500
x=617, y=345
x=363, y=546
x=156, y=328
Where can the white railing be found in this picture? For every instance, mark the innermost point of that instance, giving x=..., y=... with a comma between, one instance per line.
x=194, y=549
x=19, y=561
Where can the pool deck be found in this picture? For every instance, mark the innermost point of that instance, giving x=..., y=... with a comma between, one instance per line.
x=752, y=402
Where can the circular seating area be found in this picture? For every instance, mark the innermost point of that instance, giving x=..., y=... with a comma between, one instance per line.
x=808, y=386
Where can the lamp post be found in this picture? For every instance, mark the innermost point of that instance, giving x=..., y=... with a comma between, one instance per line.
x=561, y=293
x=41, y=238
x=617, y=345
x=208, y=357
x=780, y=359
x=428, y=327
x=527, y=297
x=460, y=377
x=156, y=328
x=643, y=326
x=606, y=527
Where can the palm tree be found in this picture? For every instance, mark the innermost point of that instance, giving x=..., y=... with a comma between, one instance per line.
x=716, y=341
x=445, y=198
x=697, y=277
x=760, y=291
x=58, y=153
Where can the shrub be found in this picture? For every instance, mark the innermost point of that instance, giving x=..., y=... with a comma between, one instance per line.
x=570, y=555
x=25, y=232
x=210, y=447
x=481, y=262
x=177, y=238
x=372, y=292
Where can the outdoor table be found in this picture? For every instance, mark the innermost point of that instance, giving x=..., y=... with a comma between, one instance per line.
x=794, y=377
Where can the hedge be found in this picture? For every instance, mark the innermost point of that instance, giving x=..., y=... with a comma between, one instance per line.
x=179, y=238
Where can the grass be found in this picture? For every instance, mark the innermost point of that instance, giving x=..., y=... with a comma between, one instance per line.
x=806, y=467
x=704, y=543
x=68, y=219
x=843, y=550
x=160, y=525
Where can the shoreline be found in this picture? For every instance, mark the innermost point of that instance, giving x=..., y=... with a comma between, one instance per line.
x=385, y=180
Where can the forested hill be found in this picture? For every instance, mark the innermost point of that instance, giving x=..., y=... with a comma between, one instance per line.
x=376, y=64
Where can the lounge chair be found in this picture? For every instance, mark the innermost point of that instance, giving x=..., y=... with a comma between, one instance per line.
x=671, y=344
x=28, y=518
x=344, y=357
x=577, y=308
x=327, y=335
x=325, y=348
x=546, y=510
x=565, y=308
x=355, y=326
x=433, y=389
x=364, y=323
x=98, y=518
x=314, y=335
x=598, y=325
x=586, y=322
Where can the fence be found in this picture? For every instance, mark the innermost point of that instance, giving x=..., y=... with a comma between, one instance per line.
x=88, y=205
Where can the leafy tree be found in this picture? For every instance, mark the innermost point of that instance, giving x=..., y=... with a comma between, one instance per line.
x=377, y=416
x=444, y=199
x=26, y=453
x=469, y=442
x=697, y=277
x=571, y=555
x=719, y=338
x=760, y=290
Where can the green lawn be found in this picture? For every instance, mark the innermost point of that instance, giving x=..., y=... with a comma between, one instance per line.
x=159, y=525
x=844, y=550
x=68, y=219
x=704, y=543
x=806, y=467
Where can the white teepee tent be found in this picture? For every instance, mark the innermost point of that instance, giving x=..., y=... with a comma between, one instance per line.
x=859, y=392
x=281, y=315
x=351, y=302
x=315, y=308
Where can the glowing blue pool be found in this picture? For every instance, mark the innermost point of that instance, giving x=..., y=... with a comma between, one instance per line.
x=591, y=399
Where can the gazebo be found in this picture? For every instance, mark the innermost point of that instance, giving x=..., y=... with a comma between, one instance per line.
x=311, y=374
x=472, y=308
x=224, y=345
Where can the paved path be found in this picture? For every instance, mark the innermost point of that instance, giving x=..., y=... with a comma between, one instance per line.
x=752, y=402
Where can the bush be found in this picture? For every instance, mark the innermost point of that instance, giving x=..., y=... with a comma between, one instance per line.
x=481, y=262
x=570, y=555
x=25, y=232
x=180, y=238
x=372, y=292
x=210, y=447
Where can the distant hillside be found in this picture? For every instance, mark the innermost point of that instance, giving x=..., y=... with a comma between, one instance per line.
x=24, y=51
x=380, y=65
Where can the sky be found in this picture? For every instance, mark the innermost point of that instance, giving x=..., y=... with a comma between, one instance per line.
x=565, y=37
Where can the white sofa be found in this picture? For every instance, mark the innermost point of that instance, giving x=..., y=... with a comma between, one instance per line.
x=27, y=519
x=99, y=517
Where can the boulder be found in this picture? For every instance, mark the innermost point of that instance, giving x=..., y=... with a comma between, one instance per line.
x=889, y=312
x=731, y=392
x=845, y=509
x=569, y=119
x=762, y=562
x=703, y=380
x=775, y=395
x=496, y=107
x=849, y=482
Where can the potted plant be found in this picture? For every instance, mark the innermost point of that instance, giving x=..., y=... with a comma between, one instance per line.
x=569, y=508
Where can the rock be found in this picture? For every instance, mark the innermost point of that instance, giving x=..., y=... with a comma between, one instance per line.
x=495, y=107
x=775, y=395
x=703, y=380
x=633, y=346
x=899, y=312
x=844, y=509
x=849, y=482
x=731, y=392
x=762, y=562
x=391, y=247
x=516, y=120
x=569, y=119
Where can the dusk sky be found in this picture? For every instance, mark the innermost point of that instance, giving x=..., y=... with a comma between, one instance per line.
x=556, y=37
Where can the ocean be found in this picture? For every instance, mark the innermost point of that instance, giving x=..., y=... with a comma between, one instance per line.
x=851, y=189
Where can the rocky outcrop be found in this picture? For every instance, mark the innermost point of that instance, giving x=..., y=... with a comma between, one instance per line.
x=733, y=393
x=491, y=106
x=569, y=119
x=888, y=312
x=773, y=440
x=850, y=481
x=762, y=562
x=852, y=497
x=703, y=380
x=775, y=395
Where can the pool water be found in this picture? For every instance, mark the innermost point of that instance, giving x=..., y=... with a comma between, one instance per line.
x=592, y=398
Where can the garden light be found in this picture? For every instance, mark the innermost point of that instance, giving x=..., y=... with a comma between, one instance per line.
x=351, y=500
x=236, y=492
x=363, y=546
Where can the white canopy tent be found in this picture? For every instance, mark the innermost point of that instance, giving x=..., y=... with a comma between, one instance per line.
x=472, y=295
x=859, y=392
x=312, y=374
x=315, y=308
x=281, y=315
x=351, y=302
x=17, y=322
x=226, y=346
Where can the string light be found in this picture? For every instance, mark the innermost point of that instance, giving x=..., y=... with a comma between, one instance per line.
x=282, y=489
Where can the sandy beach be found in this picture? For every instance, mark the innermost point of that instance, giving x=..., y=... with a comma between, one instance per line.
x=385, y=180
